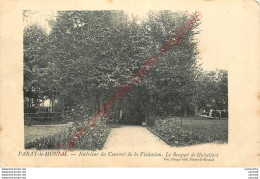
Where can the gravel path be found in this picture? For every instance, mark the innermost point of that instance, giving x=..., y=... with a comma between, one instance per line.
x=133, y=137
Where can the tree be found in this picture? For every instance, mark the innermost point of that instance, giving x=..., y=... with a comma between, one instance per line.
x=213, y=90
x=34, y=51
x=174, y=77
x=90, y=53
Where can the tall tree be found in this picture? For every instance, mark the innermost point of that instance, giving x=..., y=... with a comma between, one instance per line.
x=34, y=63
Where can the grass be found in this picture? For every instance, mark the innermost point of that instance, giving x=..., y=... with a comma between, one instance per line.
x=32, y=133
x=93, y=140
x=192, y=130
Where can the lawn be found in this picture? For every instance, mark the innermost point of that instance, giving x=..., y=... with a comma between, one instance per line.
x=51, y=136
x=192, y=130
x=37, y=131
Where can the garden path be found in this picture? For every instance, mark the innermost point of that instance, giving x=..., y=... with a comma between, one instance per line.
x=134, y=138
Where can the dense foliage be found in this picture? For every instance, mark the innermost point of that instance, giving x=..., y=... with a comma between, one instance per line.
x=88, y=54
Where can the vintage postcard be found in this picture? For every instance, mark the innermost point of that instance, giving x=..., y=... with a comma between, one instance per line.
x=117, y=83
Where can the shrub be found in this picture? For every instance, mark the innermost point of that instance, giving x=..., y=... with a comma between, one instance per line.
x=224, y=114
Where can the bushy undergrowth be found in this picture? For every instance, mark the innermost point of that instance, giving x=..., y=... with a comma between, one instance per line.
x=93, y=139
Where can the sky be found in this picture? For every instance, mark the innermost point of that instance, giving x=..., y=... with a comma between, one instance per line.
x=212, y=50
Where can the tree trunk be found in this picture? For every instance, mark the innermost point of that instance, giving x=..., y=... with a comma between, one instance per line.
x=196, y=111
x=185, y=111
x=30, y=102
x=52, y=104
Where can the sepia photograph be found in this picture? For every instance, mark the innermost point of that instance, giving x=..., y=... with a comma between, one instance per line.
x=129, y=84
x=98, y=80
